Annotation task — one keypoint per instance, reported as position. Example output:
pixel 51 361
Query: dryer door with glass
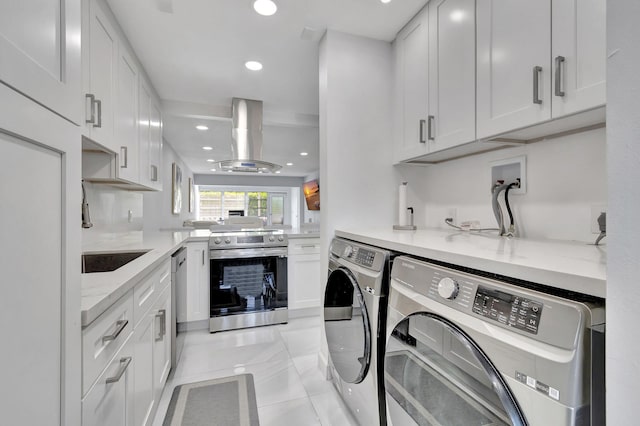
pixel 435 374
pixel 346 323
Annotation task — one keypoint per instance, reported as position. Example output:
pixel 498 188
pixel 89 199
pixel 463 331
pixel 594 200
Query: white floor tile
pixel 331 410
pixel 303 341
pixel 312 378
pixel 296 412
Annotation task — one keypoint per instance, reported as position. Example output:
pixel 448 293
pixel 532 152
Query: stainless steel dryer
pixel 467 350
pixel 354 318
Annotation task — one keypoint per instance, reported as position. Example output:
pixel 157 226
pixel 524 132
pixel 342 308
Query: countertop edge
pixel 573 282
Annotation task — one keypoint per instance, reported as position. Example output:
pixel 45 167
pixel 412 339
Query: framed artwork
pixel 176 189
pixel 192 196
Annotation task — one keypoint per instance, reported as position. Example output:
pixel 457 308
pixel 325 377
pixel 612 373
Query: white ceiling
pixel 195 54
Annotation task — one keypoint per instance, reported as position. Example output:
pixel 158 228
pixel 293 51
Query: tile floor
pixel 290 389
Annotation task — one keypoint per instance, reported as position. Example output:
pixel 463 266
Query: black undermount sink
pixel 107 262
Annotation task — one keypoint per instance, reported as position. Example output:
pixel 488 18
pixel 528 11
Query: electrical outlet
pixel 596 209
pixel 452 213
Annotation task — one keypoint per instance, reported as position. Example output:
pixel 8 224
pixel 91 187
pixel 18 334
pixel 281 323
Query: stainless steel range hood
pixel 246 148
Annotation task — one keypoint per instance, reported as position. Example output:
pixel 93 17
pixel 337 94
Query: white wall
pixel 157 205
pixel 623 227
pixel 565 177
pixel 356 175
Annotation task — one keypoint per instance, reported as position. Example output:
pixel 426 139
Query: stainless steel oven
pixel 248 279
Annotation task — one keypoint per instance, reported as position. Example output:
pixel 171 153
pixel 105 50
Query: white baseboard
pixel 305 312
pixel 193 325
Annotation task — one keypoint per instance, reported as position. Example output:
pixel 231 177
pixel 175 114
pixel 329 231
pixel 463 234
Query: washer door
pixel 435 374
pixel 347 326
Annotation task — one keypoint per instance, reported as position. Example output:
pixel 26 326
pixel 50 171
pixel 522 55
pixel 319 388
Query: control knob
pixel 271 238
pixel 217 241
pixel 348 251
pixel 280 238
pixel 448 288
pixel 227 240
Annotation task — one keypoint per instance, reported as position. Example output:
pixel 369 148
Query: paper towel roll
pixel 402 204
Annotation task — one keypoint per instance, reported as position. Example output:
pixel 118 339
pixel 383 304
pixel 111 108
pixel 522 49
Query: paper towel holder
pixel 410 227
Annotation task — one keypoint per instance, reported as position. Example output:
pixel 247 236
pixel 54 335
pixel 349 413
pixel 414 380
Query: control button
pixel 348 251
pixel 227 240
pixel 271 238
pixel 280 238
pixel 535 308
pixel 217 241
pixel 448 288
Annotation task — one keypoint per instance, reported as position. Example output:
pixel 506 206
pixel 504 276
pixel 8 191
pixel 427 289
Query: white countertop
pixel 573 266
pixel 100 290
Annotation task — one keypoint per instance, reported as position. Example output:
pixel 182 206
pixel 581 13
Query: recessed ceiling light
pixel 207 148
pixel 265 7
pixel 211 160
pixel 213 170
pixel 289 164
pixel 230 171
pixel 385 1
pixel 278 172
pixel 201 127
pixel 253 65
pixel 304 154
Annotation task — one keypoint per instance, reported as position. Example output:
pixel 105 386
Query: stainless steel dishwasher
pixel 178 280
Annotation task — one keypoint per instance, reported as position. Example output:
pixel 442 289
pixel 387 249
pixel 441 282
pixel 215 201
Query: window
pixel 215 204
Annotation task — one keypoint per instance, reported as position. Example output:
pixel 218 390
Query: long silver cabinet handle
pixel 308 246
pixel 92 101
pixel 559 75
pixel 154 173
pixel 422 124
pixel 124 153
pixel 536 85
pixel 203 257
pixel 120 325
pixel 431 129
pixel 162 315
pixel 124 364
pixel 99 104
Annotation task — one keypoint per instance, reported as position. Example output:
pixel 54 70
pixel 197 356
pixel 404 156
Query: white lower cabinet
pixel 138 371
pixel 303 273
pixel 110 400
pixel 193 299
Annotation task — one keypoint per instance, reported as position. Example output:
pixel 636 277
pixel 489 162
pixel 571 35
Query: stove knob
pixel 227 241
pixel 448 288
pixel 271 238
pixel 280 238
pixel 348 251
pixel 217 241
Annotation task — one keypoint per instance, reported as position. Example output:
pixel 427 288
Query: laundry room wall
pixel 566 179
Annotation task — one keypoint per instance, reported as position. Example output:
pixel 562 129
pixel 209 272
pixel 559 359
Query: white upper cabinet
pixel 513 65
pixel 126 115
pixel 40 53
pixel 452 76
pixel 412 74
pixel 579 55
pixel 150 139
pixel 101 64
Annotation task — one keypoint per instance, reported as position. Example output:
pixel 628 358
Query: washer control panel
pixel 508 309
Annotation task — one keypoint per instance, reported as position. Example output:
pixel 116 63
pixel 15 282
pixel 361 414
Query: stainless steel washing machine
pixel 355 318
pixel 463 349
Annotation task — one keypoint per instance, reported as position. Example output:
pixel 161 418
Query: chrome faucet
pixel 86 217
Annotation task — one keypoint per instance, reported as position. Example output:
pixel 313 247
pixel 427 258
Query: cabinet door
pixel 579 55
pixel 412 46
pixel 144 402
pixel 150 139
pixel 40 51
pixel 304 281
pixel 126 114
pixel 110 401
pixel 31 306
pixel 155 145
pixel 197 281
pixel 452 73
pixel 161 342
pixel 513 60
pixel 103 69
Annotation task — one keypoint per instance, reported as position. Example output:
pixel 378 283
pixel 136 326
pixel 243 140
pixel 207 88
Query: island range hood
pixel 246 147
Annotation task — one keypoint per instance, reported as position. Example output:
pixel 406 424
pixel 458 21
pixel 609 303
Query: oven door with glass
pixel 248 281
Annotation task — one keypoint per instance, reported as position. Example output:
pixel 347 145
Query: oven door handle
pixel 247 253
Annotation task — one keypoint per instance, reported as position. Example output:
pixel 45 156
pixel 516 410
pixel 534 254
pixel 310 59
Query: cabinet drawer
pixel 108 402
pixel 104 337
pixel 304 246
pixel 146 292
